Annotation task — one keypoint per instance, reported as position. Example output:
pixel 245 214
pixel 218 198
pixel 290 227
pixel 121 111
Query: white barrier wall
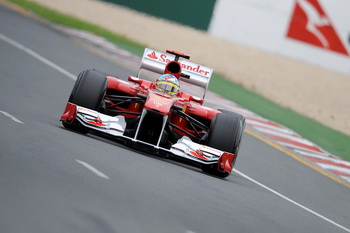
pixel 315 31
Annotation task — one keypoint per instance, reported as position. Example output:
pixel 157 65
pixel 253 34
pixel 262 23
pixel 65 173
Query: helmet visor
pixel 168 87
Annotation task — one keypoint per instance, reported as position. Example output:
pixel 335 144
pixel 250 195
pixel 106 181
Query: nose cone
pixel 159 103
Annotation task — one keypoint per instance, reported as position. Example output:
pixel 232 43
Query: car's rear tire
pixel 88 91
pixel 225 134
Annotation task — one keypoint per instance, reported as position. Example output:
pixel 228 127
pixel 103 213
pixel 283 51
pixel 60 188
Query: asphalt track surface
pixel 56 180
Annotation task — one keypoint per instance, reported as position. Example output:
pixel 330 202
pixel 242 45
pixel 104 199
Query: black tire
pixel 88 91
pixel 225 134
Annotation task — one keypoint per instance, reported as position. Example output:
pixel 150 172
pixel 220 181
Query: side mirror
pixel 196 99
pixel 134 80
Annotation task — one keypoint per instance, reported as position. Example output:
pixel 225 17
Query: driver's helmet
pixel 168 83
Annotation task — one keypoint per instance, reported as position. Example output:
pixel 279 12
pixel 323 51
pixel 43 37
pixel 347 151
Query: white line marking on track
pixel 94 170
pixel 37 56
pixel 11 117
pixel 291 201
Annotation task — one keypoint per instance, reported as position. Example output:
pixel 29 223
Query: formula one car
pixel 157 116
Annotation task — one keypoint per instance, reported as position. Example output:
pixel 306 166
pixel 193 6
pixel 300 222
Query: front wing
pixel 115 126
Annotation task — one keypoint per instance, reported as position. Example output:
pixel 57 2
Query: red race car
pixel 157 116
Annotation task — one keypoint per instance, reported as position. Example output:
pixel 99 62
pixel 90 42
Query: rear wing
pixel 193 73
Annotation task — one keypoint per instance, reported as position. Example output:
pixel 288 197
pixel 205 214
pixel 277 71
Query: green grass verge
pixel 335 142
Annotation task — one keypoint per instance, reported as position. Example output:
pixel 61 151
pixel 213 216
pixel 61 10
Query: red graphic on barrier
pixel 152 55
pixel 310 24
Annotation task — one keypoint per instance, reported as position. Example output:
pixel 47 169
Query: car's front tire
pixel 88 91
pixel 225 134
